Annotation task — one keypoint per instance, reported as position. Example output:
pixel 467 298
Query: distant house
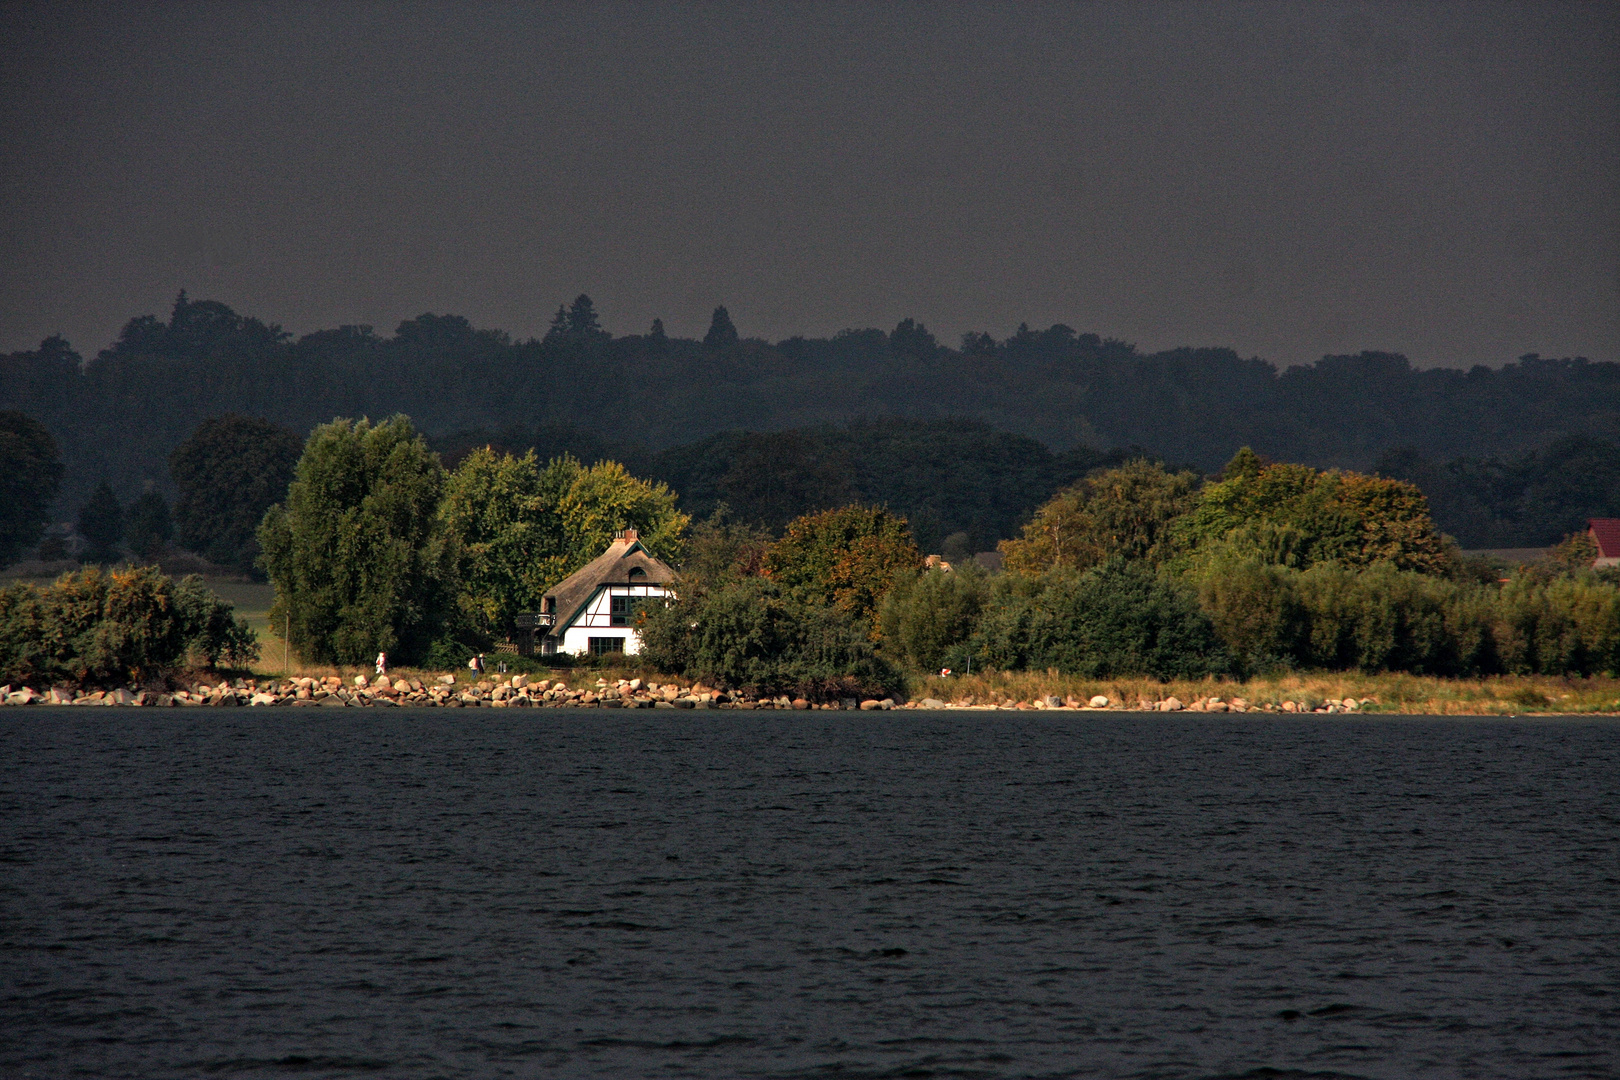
pixel 1606 532
pixel 591 610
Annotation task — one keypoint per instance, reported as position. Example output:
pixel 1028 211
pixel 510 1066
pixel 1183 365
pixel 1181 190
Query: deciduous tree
pixel 228 473
pixel 30 474
pixel 358 552
pixel 1124 512
pixel 846 558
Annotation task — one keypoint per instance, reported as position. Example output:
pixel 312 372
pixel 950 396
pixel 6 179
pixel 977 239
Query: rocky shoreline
pixel 520 691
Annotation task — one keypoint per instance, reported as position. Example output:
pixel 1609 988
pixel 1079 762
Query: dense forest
pixel 967 439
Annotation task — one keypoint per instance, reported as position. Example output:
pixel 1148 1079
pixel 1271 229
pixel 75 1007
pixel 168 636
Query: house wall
pixel 597 620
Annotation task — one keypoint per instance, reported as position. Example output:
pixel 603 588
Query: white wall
pixel 596 621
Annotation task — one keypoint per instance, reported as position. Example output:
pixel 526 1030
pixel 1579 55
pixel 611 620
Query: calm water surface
pixel 520 893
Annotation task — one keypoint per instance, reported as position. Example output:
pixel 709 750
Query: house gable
pixel 625 569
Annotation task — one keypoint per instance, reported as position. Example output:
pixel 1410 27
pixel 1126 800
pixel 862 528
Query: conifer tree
pixel 722 334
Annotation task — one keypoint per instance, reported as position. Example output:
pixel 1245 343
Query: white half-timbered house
pixel 591 611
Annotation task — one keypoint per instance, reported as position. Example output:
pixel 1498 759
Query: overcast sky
pixel 1437 179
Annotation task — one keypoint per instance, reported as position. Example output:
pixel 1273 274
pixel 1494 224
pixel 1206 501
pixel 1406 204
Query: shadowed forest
pixel 965 439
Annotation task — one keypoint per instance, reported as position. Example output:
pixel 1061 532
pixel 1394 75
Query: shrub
pixel 1386 619
pixel 753 635
pixel 1117 619
pixel 126 623
pixel 924 619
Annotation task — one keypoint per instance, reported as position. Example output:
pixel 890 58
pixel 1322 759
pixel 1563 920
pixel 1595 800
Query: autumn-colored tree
pixel 1123 512
pixel 1294 515
pixel 847 558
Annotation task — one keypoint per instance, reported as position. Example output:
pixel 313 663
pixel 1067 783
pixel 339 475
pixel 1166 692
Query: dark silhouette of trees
pixel 101 523
pixel 118 417
pixel 149 526
pixel 228 473
pixel 722 334
pixel 30 474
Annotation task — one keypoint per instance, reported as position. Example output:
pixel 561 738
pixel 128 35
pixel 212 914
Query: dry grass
pixel 1507 695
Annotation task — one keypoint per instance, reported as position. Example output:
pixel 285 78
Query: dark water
pixel 245 893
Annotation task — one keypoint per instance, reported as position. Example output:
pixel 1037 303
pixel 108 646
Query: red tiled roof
pixel 1606 531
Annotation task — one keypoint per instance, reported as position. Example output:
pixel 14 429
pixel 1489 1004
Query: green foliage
pixel 1119 618
pixel 228 473
pixel 1254 612
pixel 213 632
pixel 521 529
pixel 504 529
pixel 358 552
pixel 1386 619
pixel 847 558
pixel 595 504
pixel 752 634
pixel 1577 551
pixel 101 523
pixel 925 619
pixel 723 548
pixel 946 477
pixel 30 475
pixel 1529 500
pixel 1124 512
pixel 121 624
pixel 148 525
pixel 1295 515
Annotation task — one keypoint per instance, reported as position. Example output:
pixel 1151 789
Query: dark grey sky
pixel 1439 179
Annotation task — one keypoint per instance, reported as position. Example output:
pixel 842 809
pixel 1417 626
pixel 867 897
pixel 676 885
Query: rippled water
pixel 639 894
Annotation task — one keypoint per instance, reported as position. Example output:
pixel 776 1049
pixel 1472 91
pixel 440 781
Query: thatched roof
pixel 612 567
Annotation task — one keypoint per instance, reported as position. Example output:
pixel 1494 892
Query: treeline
pixel 961 484
pixel 1139 570
pixel 1508 502
pixel 119 415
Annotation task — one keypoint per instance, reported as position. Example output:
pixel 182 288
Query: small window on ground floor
pixel 600 645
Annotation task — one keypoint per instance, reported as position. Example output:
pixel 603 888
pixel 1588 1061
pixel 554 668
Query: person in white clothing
pixel 382 663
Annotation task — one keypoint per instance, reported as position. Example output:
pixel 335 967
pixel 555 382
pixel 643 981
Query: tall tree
pixel 30 474
pixel 1125 512
pixel 848 558
pixel 521 528
pixel 149 528
pixel 358 552
pixel 722 334
pixel 229 472
pixel 101 523
pixel 1294 515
